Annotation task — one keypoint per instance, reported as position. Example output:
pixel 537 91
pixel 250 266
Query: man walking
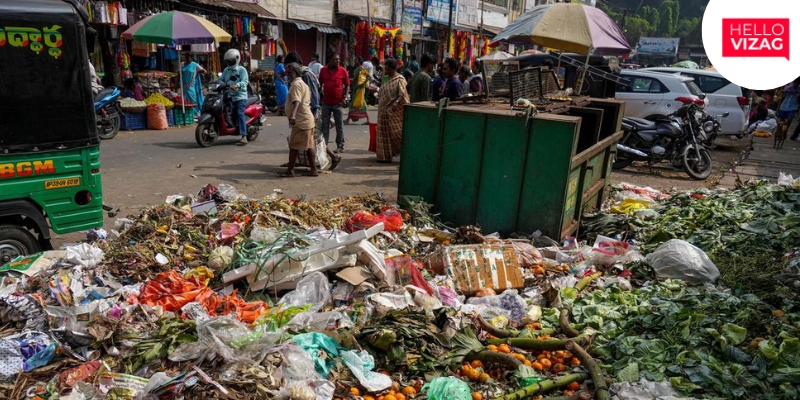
pixel 334 83
pixel 315 65
pixel 419 89
pixel 298 109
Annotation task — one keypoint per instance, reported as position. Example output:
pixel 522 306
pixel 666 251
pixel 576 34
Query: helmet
pixel 232 57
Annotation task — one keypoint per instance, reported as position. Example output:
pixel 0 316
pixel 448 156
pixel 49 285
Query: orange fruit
pixel 400 396
pixel 474 374
pixel 546 364
pixel 557 368
pixel 492 347
pixel 355 391
pixel 389 397
pixel 537 366
pixel 504 348
pixel 484 377
pixel 477 364
pixel 574 386
pixel 477 396
pixel 518 356
pixel 368 397
pixel 574 362
pixel 526 363
pixel 409 391
pixel 569 392
pixel 542 356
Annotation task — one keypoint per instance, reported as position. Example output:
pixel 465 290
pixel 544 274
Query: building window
pixel 501 3
pixel 517 5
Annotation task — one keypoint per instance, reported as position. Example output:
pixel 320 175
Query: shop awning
pixel 490 29
pixel 376 20
pixel 322 28
pixel 241 6
pixel 424 39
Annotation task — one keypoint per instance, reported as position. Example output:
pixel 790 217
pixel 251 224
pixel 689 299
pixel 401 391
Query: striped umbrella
pixel 569 27
pixel 176 28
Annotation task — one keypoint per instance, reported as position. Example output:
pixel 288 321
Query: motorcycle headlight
pixel 708 126
pixel 217 103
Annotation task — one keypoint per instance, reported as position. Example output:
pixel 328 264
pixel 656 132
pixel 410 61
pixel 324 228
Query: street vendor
pixel 192 74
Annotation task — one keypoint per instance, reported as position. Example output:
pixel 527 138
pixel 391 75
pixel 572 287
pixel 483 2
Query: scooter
pixel 107 110
pixel 217 117
pixel 268 96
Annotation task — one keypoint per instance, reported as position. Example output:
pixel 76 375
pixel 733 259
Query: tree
pixel 652 16
pixel 635 28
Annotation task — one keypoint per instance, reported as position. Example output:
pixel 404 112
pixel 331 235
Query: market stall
pixel 174 28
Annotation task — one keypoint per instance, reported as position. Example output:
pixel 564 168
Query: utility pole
pixel 369 16
pixel 622 25
pixel 450 27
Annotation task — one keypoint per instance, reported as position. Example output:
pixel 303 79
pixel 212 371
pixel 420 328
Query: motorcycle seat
pixel 103 93
pixel 640 123
pixel 252 100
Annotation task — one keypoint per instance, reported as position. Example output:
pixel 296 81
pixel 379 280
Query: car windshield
pixel 693 88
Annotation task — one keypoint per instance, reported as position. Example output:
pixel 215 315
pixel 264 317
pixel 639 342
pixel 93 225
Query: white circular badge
pixel 753 44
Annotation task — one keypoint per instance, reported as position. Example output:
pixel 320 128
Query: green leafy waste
pixel 707 343
pixel 744 231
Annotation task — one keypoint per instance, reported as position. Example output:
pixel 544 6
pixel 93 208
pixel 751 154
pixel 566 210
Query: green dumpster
pixel 510 171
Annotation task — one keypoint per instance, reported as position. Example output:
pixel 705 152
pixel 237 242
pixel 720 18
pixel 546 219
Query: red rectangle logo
pixel 755 37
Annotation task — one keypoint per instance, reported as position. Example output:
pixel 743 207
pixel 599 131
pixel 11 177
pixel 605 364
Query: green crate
pixel 182 118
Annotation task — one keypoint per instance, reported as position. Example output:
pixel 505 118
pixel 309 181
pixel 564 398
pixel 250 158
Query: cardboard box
pixel 258 51
pixel 475 267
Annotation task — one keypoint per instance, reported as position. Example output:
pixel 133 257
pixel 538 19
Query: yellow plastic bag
pixel 762 134
pixel 630 206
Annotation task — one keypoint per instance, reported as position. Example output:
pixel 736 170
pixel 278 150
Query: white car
pixel 653 93
pixel 723 96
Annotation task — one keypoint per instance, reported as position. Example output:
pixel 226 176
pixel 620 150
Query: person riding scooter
pixel 235 76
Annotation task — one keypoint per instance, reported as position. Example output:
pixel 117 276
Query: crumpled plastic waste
pixel 509 300
pixel 312 289
pixel 679 259
pixel 392 220
pixel 85 254
pixel 447 388
pixel 314 342
pixel 630 206
pixel 362 365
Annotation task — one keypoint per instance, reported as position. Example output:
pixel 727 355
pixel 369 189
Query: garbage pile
pixel 220 296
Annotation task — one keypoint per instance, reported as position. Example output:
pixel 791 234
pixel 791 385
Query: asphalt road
pixel 141 168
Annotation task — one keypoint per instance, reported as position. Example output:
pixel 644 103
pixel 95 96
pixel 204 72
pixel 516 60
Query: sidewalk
pixel 765 162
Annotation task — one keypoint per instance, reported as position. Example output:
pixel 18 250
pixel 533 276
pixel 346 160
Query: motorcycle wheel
pixel 202 134
pixel 107 128
pixel 696 168
pixel 252 133
pixel 621 160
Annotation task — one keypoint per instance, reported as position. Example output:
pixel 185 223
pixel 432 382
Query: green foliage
pixel 670 18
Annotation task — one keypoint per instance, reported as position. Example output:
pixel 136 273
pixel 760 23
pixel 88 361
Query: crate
pixel 170 117
pixel 182 118
pixel 133 121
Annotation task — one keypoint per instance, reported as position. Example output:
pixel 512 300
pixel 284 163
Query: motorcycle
pixel 106 107
pixel 673 139
pixel 269 98
pixel 217 117
pixel 711 127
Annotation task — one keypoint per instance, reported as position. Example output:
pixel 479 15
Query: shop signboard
pixel 467 15
pixel 439 11
pixel 276 7
pixel 658 46
pixel 494 19
pixel 319 11
pixel 412 19
pixel 381 9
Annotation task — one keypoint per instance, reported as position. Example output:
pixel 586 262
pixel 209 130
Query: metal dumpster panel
pixel 420 165
pixel 459 176
pixel 502 170
pixel 550 148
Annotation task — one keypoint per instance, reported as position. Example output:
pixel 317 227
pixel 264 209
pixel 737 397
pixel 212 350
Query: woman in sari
pixel 192 83
pixel 390 113
pixel 358 99
pixel 281 89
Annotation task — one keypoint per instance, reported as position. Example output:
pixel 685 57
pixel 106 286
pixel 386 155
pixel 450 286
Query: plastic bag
pixel 391 218
pixel 528 254
pixel 312 289
pixel 630 206
pixel 313 343
pixel 320 153
pixel 220 258
pixel 509 300
pixel 157 117
pixel 407 272
pixel 788 181
pixel 228 192
pixel 362 365
pixel 85 254
pixel 447 388
pixel 678 259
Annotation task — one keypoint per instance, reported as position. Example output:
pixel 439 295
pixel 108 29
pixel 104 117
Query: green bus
pixel 49 148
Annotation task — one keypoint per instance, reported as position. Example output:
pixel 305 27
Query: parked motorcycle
pixel 106 107
pixel 217 117
pixel 710 128
pixel 269 98
pixel 672 139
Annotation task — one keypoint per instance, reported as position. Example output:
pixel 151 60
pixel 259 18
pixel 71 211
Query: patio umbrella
pixel 176 28
pixel 686 64
pixel 570 27
pixel 497 55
